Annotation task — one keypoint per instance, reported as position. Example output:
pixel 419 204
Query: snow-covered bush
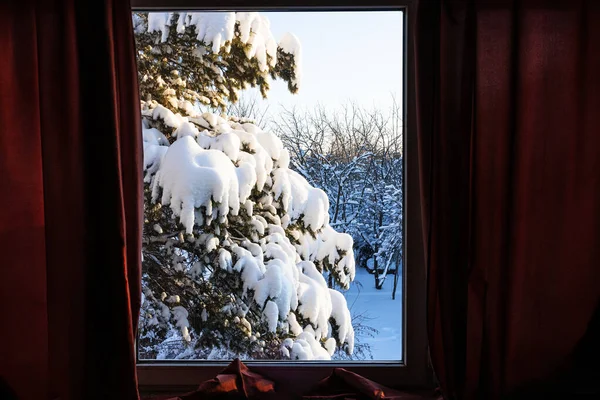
pixel 235 243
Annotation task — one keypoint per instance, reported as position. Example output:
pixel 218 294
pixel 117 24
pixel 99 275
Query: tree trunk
pixel 378 284
pixel 376 271
pixel 337 203
pixel 395 277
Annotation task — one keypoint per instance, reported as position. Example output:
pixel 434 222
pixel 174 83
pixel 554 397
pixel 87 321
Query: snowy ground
pixel 381 312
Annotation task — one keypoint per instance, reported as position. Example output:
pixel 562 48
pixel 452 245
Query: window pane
pixel 273 185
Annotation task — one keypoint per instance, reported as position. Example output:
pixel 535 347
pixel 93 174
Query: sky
pixel 346 56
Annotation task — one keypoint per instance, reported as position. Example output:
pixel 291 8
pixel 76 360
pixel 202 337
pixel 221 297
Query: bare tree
pixel 249 107
pixel 355 156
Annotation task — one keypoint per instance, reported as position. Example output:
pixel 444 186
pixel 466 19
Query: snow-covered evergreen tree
pixel 186 59
pixel 235 243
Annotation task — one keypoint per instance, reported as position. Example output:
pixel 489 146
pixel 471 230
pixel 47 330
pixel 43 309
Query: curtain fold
pixel 70 213
pixel 509 139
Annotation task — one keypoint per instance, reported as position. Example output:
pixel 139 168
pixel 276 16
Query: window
pixel 278 233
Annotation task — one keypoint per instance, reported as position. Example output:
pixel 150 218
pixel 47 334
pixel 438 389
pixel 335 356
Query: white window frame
pixel 172 377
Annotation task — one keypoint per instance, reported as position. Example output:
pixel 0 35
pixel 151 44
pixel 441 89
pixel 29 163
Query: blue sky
pixel 345 56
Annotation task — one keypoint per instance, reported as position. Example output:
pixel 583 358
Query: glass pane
pixel 273 185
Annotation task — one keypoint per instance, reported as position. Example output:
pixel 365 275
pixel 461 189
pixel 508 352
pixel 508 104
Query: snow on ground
pixel 383 313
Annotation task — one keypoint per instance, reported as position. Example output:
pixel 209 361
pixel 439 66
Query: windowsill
pixel 292 379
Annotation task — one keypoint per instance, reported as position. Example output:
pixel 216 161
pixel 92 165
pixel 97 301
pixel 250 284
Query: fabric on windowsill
pixel 234 382
pixel 237 381
pixel 344 384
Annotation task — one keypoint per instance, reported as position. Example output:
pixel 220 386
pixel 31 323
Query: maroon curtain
pixel 509 143
pixel 70 208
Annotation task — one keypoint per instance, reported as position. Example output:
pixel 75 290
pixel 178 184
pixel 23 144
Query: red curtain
pixel 508 97
pixel 70 209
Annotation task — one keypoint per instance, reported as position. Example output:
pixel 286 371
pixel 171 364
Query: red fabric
pixel 238 382
pixel 234 382
pixel 509 144
pixel 343 384
pixel 70 210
